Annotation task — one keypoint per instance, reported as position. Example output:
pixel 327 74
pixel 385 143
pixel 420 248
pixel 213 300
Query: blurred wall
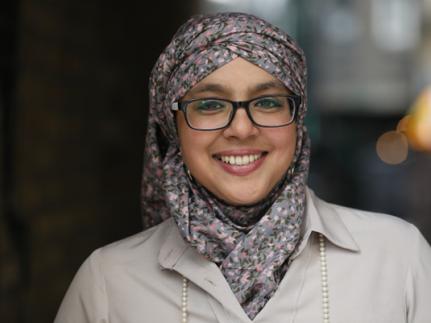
pixel 78 119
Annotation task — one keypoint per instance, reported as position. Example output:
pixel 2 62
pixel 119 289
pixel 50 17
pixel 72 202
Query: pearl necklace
pixel 323 280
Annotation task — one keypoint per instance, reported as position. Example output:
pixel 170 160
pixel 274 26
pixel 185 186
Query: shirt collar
pixel 323 217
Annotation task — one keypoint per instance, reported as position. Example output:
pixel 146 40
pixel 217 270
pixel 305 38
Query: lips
pixel 240 163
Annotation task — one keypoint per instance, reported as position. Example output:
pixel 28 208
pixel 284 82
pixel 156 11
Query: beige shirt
pixel 379 270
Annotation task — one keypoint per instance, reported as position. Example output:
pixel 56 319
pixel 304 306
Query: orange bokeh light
pixel 417 125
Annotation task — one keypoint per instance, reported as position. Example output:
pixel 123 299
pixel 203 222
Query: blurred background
pixel 73 102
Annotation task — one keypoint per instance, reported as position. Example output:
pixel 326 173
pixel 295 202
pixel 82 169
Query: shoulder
pixel 368 222
pixel 392 260
pixel 378 232
pixel 140 250
pixel 114 273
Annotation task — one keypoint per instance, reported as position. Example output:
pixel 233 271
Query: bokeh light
pixel 392 147
pixel 418 124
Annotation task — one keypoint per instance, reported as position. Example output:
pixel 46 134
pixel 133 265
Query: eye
pixel 268 102
pixel 208 106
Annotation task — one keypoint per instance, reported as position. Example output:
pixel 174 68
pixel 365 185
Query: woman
pixel 236 236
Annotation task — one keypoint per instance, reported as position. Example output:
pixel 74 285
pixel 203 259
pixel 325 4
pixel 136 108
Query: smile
pixel 240 164
pixel 240 160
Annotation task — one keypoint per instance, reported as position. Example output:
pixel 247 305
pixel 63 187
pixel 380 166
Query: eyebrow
pixel 209 87
pixel 219 88
pixel 269 85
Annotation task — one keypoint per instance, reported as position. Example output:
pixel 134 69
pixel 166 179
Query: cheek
pixel 192 147
pixel 194 144
pixel 284 141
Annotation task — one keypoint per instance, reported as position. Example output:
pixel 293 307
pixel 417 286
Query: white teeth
pixel 240 160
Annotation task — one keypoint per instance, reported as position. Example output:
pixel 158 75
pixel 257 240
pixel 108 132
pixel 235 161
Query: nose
pixel 241 126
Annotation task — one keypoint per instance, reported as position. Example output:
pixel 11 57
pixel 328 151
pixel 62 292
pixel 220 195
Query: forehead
pixel 238 75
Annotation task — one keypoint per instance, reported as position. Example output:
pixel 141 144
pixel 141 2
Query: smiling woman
pixel 233 233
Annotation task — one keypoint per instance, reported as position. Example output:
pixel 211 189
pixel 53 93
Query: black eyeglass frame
pixel 182 106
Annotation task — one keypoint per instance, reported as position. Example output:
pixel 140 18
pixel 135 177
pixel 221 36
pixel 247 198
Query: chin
pixel 243 200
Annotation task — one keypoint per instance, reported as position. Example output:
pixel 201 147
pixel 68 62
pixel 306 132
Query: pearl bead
pixel 184 301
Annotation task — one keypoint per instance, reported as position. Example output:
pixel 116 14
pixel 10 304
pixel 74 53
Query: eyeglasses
pixel 269 111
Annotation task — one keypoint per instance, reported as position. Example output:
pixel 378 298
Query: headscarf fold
pixel 253 244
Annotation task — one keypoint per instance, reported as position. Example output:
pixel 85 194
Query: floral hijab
pixel 252 245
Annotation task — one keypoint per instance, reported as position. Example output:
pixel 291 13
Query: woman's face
pixel 203 151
